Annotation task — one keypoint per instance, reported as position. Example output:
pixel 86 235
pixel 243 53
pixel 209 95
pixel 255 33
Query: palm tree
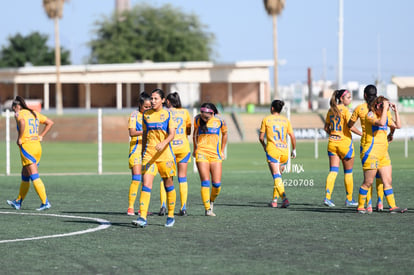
pixel 54 10
pixel 274 8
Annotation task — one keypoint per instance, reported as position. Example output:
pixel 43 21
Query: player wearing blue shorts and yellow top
pixel 375 152
pixel 275 128
pixel 180 145
pixel 209 139
pixel 157 156
pixel 135 148
pixel 360 112
pixel 340 146
pixel 28 140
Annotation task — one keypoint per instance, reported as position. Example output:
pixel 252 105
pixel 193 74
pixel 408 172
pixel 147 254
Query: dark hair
pixel 203 124
pixel 277 105
pixel 143 96
pixel 20 101
pixel 370 93
pixel 159 92
pixel 336 99
pixel 174 99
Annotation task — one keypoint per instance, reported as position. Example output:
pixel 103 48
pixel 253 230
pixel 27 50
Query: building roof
pixel 403 81
pixel 143 72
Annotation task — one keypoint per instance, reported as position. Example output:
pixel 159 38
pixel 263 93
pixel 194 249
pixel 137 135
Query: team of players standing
pixel 159 132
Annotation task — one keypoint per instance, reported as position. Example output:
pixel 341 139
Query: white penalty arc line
pixel 103 225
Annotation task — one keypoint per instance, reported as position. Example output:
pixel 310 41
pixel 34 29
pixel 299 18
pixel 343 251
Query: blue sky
pixel 378 38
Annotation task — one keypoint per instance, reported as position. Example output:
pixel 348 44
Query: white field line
pixel 103 225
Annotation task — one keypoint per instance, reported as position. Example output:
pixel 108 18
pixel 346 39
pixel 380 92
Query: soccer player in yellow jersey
pixel 28 140
pixel 340 146
pixel 157 156
pixel 360 112
pixel 276 128
pixel 375 152
pixel 135 148
pixel 181 145
pixel 209 139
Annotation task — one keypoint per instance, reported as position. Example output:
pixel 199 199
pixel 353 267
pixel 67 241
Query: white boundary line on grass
pixel 103 225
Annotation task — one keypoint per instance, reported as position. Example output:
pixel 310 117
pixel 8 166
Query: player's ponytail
pixel 370 93
pixel 336 99
pixel 174 99
pixel 20 101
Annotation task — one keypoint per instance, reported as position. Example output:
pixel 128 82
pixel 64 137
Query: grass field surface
pixel 246 237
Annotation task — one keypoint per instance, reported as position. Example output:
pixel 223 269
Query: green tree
pixel 149 33
pixel 31 48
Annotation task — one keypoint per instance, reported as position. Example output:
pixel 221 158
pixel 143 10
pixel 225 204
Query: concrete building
pixel 119 85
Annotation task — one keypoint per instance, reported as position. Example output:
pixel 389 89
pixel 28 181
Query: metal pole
pixel 340 42
pixel 59 104
pixel 406 145
pixel 99 141
pixel 194 161
pixel 289 164
pixel 7 142
pixel 275 80
pixel 316 144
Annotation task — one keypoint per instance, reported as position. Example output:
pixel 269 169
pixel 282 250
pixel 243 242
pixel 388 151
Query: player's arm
pixel 133 132
pixel 397 120
pixel 194 141
pixel 22 125
pixel 144 140
pixel 355 130
pixel 48 124
pixel 262 140
pixel 327 128
pixel 224 137
pixel 293 140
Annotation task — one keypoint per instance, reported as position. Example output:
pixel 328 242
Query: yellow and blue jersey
pixel 135 143
pixel 156 125
pixel 209 142
pixel 276 128
pixel 360 112
pixel 340 137
pixel 31 129
pixel 339 124
pixel 376 135
pixel 375 149
pixel 180 143
pixel 30 150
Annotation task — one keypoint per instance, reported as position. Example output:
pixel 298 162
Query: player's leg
pixel 133 188
pixel 183 185
pixel 348 164
pixel 330 179
pixel 369 175
pixel 216 172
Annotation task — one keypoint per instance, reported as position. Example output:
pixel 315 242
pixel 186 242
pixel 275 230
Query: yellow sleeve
pixel 263 126
pixel 355 114
pixel 290 129
pixel 188 120
pixel 224 126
